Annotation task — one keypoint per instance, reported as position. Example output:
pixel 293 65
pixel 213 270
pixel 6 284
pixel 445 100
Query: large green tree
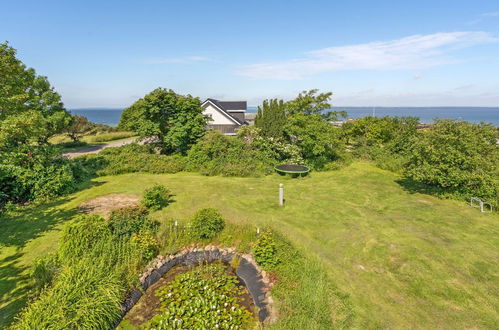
pixel 78 127
pixel 30 109
pixel 309 103
pixel 301 123
pixel 459 157
pixel 176 120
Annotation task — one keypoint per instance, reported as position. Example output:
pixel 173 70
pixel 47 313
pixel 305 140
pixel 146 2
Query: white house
pixel 225 116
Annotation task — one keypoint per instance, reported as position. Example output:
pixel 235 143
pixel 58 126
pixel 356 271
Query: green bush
pixel 265 250
pixel 132 158
pixel 81 235
pixel 156 197
pixel 458 157
pixel 146 243
pixel 217 154
pixel 30 173
pixel 130 220
pixel 44 270
pixel 207 223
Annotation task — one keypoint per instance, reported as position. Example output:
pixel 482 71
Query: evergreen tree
pixel 271 118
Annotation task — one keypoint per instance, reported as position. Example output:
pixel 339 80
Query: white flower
pixel 225 304
pixel 169 295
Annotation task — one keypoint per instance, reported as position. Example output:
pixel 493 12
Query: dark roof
pixel 228 106
pixel 233 105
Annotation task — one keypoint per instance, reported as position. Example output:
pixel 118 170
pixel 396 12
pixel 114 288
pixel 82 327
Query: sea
pixel 111 116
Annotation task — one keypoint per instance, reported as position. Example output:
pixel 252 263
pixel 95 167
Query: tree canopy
pixel 78 127
pixel 30 109
pixel 309 103
pixel 176 120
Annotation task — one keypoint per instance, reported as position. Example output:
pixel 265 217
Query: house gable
pixel 218 115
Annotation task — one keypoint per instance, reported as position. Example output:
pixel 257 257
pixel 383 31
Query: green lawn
pixel 406 260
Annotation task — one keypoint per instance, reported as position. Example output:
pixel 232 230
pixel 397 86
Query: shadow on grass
pixel 31 222
pixel 12 292
pixel 414 187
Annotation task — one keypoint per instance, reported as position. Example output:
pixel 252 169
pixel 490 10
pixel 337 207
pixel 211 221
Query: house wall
pixel 224 129
pixel 217 117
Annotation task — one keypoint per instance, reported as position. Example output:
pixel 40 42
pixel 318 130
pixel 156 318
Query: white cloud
pixel 491 14
pixel 413 52
pixel 181 60
pixel 483 17
pixel 418 76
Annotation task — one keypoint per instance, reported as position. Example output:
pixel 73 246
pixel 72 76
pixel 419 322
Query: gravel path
pixel 96 149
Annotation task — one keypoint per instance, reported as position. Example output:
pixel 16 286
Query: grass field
pixel 91 140
pixel 405 260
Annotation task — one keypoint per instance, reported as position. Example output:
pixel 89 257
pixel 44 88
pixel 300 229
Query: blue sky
pixel 368 53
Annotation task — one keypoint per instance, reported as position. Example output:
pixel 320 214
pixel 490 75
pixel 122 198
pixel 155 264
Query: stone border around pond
pixel 255 279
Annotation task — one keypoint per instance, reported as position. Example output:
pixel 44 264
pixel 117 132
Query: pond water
pixel 148 305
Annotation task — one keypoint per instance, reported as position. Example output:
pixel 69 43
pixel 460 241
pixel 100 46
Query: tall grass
pixel 85 296
pixel 111 136
pixel 98 267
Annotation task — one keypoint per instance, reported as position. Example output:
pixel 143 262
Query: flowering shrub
pixel 203 298
pixel 146 243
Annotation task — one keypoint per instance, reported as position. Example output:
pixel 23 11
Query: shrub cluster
pixel 130 159
pixel 451 158
pixel 217 154
pixel 29 173
pixel 156 197
pixel 131 220
pixel 207 223
pixel 459 157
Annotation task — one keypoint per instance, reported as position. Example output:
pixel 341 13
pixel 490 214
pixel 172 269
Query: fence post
pixel 281 194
